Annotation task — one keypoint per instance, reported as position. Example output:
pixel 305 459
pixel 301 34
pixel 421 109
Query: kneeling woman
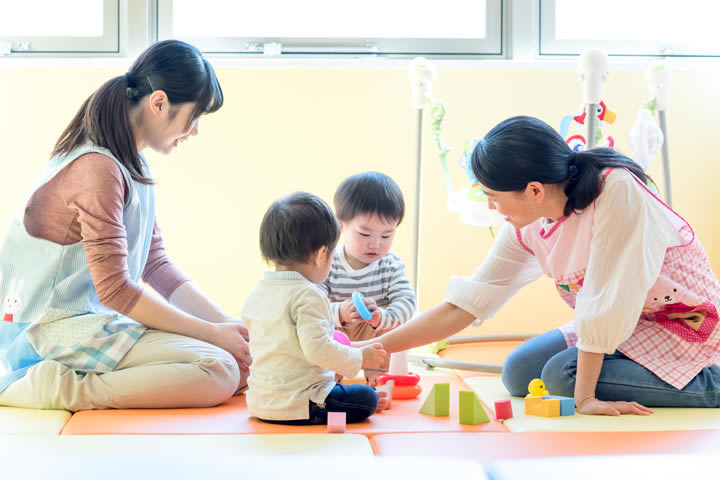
pixel 645 330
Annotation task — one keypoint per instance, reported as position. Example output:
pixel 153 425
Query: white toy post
pixel 592 71
pixel 421 73
pixel 658 76
pixel 398 363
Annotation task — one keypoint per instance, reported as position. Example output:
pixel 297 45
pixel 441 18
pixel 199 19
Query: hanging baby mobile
pixel 469 202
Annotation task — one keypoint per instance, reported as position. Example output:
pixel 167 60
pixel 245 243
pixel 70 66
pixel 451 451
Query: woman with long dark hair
pixel 645 329
pixel 78 330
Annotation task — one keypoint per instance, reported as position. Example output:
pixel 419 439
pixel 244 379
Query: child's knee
pixel 366 402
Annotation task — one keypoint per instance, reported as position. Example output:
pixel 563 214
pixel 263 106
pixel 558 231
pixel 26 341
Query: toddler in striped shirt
pixel 370 207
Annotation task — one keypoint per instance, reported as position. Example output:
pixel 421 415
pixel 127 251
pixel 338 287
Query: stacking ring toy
pixel 357 299
pixel 406 386
pixel 400 380
pixel 406 392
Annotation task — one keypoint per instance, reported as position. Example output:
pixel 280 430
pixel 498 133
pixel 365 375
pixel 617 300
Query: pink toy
pixel 336 422
pixel 340 337
pixel 503 409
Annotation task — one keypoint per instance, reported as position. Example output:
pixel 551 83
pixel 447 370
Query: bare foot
pixel 371 378
pixel 385 393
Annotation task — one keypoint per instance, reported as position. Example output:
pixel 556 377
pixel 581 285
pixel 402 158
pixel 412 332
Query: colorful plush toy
pixel 577 141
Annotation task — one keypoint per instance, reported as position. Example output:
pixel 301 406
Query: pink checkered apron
pixel 677 334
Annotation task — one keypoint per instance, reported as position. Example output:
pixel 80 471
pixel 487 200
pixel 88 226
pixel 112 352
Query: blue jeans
pixel 357 401
pixel 548 357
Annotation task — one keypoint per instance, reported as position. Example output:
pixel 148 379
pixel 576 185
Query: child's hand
pixel 349 314
pixel 346 310
pixel 371 377
pixel 373 355
pixel 338 378
pixel 371 304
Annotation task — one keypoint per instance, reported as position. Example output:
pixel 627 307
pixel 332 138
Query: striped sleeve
pixel 401 298
pixel 334 305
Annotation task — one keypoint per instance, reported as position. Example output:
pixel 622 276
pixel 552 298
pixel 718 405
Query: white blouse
pixel 630 235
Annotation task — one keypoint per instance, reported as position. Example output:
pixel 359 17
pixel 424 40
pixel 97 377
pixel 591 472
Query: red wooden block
pixel 503 409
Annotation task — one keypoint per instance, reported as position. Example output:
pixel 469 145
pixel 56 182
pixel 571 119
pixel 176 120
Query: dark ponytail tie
pixel 132 92
pixel 572 167
pixel 130 79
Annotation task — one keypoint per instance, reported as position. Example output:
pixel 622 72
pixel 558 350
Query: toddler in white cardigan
pixel 295 358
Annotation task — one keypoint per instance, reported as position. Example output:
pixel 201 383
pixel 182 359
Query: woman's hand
pixel 593 406
pixel 232 337
pixel 589 365
pixel 242 326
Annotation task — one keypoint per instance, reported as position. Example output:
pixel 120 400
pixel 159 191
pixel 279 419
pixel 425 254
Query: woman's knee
pixel 526 361
pixel 223 377
pixel 515 376
pixel 559 373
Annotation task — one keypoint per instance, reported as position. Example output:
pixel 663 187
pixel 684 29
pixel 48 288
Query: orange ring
pixel 406 392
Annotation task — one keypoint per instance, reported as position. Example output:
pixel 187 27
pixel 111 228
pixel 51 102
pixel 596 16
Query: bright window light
pixel 692 21
pixel 51 18
pixel 330 18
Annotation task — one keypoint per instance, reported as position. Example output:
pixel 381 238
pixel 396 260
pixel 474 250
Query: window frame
pixel 109 43
pixel 493 46
pixel 550 46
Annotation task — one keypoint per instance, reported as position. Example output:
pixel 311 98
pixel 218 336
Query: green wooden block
pixel 437 403
pixel 471 410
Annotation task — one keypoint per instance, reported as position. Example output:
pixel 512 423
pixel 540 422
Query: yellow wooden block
pixel 541 407
pixel 532 404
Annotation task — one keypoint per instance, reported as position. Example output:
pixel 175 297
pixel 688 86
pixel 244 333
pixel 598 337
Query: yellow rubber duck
pixel 536 387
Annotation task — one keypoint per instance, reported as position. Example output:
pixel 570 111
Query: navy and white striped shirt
pixel 383 280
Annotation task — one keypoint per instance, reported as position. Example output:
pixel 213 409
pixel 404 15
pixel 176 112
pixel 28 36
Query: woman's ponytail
pixel 584 187
pixel 175 67
pixel 523 149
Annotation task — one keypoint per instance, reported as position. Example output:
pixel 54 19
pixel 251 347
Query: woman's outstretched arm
pixel 435 324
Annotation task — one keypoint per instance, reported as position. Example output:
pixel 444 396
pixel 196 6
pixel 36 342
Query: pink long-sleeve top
pixel 84 203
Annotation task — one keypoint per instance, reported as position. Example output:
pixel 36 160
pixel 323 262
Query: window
pixel 51 26
pixel 630 27
pixel 380 27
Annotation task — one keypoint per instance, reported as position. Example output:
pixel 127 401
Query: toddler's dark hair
pixel 295 227
pixel 369 193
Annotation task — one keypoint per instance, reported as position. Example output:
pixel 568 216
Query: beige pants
pixel 363 331
pixel 162 370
